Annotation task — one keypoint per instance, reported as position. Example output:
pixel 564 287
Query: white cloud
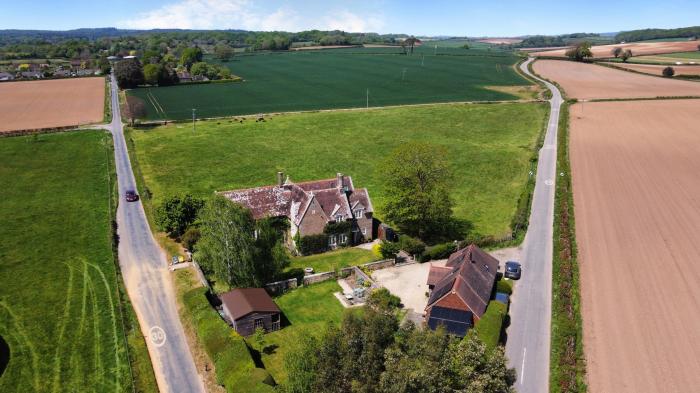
pixel 350 22
pixel 243 14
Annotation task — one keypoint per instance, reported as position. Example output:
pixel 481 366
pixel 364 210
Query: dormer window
pixel 359 213
pixel 338 217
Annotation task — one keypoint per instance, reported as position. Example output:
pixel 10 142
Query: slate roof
pixel 291 200
pixel 437 273
pixel 243 301
pixel 472 278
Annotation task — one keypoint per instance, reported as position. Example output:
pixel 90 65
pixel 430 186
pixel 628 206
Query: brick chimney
pixel 339 180
pixel 280 179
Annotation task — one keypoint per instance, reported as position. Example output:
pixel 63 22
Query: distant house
pixel 85 72
pixel 310 206
pixel 460 291
pixel 61 73
pixel 184 77
pixel 250 308
pixel 6 76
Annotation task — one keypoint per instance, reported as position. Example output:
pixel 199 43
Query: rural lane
pixel 528 343
pixel 147 278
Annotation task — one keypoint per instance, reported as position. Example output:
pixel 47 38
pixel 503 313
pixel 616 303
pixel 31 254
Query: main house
pixel 310 206
pixel 461 290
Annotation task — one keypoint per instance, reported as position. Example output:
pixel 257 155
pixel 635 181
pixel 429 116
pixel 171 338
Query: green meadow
pixel 59 301
pixel 340 78
pixel 489 147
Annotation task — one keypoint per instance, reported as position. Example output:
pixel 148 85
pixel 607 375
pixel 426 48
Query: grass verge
pixel 567 363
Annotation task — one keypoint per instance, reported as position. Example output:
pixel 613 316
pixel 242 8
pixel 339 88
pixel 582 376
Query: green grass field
pixel 309 310
pixel 330 261
pixel 339 78
pixel 489 146
pixel 59 305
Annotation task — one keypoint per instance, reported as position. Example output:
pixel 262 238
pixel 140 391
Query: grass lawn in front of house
pixel 332 260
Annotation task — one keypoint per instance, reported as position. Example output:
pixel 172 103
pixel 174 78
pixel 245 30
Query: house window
pixel 343 238
pixel 359 213
pixel 332 240
pixel 339 217
pixel 259 323
pixel 364 231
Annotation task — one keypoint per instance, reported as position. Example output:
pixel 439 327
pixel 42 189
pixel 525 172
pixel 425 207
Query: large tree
pixel 176 213
pixel 128 73
pixel 227 244
pixel 223 52
pixel 190 56
pixel 418 182
pixel 151 73
pixel 580 51
pixel 271 256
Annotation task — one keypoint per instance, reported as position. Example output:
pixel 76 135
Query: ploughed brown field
pixel 654 69
pixel 637 48
pixel 51 103
pixel 590 81
pixel 504 41
pixel 635 169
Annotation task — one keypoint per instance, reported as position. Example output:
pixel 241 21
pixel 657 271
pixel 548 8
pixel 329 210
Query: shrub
pixel 383 299
pixel 505 286
pixel 478 239
pixel 376 250
pixel 489 326
pixel 388 249
pixel 411 245
pixel 439 251
pixel 190 238
pixel 668 72
pixel 313 244
pixel 176 213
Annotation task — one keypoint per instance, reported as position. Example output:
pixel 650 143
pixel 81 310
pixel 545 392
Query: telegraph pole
pixel 193 110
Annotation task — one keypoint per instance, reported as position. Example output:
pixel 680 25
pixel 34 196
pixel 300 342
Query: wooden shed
pixel 250 308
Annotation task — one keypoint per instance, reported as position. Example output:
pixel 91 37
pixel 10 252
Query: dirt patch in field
pixel 530 92
pixel 637 48
pixel 51 103
pixel 635 167
pixel 654 69
pixel 590 81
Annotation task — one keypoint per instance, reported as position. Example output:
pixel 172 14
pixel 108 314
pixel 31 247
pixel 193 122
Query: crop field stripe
pixel 62 329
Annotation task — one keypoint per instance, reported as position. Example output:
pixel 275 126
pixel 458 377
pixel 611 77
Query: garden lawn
pixel 332 260
pixel 339 78
pixel 59 305
pixel 309 310
pixel 489 147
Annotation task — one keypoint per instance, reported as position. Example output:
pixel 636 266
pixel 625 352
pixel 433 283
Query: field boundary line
pixel 371 108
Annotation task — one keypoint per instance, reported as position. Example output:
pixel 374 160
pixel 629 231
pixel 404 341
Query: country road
pixel 148 282
pixel 528 343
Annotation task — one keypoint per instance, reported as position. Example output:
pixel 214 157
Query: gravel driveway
pixel 408 283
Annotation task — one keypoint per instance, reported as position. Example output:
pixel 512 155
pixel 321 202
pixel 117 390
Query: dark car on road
pixel 513 270
pixel 131 196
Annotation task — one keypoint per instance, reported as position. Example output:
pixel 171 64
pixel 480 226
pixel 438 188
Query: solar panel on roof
pixel 451 314
pixel 456 328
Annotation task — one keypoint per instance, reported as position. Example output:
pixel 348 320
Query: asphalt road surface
pixel 144 268
pixel 528 343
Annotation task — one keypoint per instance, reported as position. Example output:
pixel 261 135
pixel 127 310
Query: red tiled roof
pixel 243 301
pixel 472 276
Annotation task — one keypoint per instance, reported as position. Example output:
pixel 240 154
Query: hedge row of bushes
pixel 235 368
pixel 489 326
pixel 313 244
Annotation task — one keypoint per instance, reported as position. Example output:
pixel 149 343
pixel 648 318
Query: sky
pixel 498 18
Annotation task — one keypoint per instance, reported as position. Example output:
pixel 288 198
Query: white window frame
pixel 342 238
pixel 332 240
pixel 364 230
pixel 338 217
pixel 359 213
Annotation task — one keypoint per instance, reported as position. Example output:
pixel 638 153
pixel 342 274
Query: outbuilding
pixel 250 308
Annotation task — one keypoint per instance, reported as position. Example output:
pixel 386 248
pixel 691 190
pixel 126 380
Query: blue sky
pixel 436 17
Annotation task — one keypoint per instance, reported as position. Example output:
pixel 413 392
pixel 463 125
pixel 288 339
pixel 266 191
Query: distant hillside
pixel 542 41
pixel 653 34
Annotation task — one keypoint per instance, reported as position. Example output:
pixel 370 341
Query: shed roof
pixel 243 301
